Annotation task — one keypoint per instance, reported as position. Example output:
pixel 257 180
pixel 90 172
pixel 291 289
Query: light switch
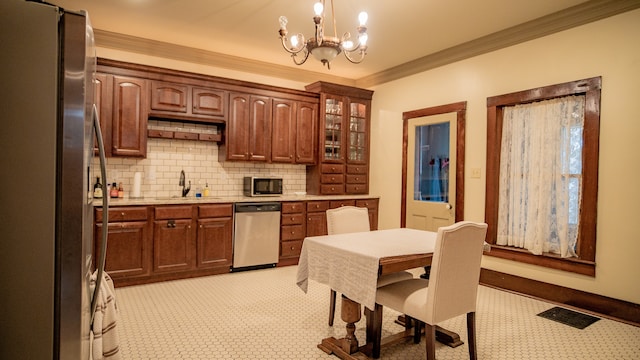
pixel 475 173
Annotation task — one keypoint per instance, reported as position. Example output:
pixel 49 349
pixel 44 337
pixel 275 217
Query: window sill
pixel 546 260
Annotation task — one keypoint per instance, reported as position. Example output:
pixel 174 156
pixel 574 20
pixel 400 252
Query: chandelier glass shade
pixel 325 48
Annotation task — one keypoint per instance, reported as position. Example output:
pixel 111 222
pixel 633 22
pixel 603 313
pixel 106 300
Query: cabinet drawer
pixel 332 189
pixel 371 204
pixel 292 207
pixel 173 212
pixel 340 203
pixel 290 248
pixel 356 179
pixel 123 214
pixel 185 135
pixel 217 210
pixel 332 169
pixel 332 178
pixel 160 134
pixel 293 232
pixel 315 206
pixel 356 169
pixel 292 219
pixel 357 189
pixel 209 137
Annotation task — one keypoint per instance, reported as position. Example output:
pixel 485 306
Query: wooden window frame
pixel 586 246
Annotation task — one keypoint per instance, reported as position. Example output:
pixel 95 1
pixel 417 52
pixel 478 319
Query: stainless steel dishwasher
pixel 256 239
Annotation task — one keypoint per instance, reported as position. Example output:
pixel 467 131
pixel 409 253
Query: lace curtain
pixel 540 183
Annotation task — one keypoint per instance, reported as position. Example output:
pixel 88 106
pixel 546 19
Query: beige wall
pixel 607 48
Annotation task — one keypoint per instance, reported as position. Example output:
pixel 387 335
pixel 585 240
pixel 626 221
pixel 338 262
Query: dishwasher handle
pixel 257 207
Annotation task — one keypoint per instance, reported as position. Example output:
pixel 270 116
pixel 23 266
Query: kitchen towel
pixel 106 342
pixel 137 183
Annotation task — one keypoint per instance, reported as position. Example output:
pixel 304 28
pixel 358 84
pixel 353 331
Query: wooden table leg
pixel 350 313
pixel 347 347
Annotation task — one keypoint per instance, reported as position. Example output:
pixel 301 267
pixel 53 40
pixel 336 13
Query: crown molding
pixel 166 50
pixel 571 17
pixel 566 19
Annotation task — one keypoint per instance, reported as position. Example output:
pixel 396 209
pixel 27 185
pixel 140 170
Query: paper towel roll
pixel 137 182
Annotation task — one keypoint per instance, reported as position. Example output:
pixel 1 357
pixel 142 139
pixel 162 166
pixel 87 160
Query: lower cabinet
pixel 292 232
pixel 174 247
pixel 128 250
pixel 214 234
pixel 156 243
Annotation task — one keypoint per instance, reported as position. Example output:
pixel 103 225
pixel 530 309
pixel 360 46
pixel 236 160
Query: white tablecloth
pixel 348 263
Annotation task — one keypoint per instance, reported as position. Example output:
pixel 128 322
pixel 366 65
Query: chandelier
pixel 325 48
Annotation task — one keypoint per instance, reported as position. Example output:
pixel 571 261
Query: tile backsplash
pixel 199 160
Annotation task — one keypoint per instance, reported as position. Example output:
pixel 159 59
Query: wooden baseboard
pixel 598 305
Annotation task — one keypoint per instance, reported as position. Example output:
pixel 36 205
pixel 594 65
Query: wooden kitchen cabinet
pixel 292 231
pixel 294 135
pixel 215 236
pixel 129 116
pixel 128 247
pixel 103 95
pixel 344 131
pixel 248 129
pixel 174 242
pixel 317 217
pixel 188 102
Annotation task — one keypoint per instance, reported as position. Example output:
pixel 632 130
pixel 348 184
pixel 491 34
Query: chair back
pixel 455 271
pixel 347 219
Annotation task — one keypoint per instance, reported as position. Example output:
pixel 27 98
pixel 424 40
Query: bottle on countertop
pixel 113 193
pixel 120 191
pixel 97 188
pixel 206 190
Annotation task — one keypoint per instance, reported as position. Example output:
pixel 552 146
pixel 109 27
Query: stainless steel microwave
pixel 262 186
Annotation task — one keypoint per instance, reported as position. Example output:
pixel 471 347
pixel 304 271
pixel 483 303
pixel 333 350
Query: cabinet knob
pixel 293 218
pixel 122 213
pixel 293 233
pixel 293 248
pixel 332 189
pixel 189 227
pixel 200 226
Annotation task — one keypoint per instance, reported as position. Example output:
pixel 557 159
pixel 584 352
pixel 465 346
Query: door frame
pixel 460 108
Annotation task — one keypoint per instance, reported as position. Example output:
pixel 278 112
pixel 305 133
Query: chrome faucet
pixel 185 190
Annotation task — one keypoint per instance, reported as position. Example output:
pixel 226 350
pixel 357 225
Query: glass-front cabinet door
pixel 333 127
pixel 357 151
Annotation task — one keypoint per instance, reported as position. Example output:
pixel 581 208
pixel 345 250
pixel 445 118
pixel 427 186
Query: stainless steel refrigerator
pixel 46 211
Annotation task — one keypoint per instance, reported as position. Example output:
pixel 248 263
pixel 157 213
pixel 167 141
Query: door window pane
pixel 431 181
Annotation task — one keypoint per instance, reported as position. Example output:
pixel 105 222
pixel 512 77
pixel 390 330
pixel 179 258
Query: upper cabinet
pixel 248 129
pixel 258 122
pixel 188 102
pixel 345 118
pixel 122 104
pixel 294 134
pixel 129 116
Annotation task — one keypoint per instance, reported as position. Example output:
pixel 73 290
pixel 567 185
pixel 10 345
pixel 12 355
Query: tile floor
pixel 262 314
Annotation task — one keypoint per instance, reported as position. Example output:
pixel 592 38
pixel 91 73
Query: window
pixel 542 163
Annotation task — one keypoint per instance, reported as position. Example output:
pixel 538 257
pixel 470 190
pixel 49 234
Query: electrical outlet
pixel 475 173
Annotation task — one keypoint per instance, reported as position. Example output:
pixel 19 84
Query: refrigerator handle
pixel 105 214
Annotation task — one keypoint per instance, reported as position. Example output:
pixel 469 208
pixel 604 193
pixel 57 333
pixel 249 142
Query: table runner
pixel 348 263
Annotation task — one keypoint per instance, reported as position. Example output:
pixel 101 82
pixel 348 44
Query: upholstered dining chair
pixel 450 291
pixel 350 219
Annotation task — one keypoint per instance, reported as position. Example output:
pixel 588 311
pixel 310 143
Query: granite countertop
pixel 231 199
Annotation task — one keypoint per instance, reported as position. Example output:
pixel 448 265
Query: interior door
pixel 431 148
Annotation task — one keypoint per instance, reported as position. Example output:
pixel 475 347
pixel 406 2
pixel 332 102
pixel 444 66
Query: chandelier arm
pixel 294 50
pixel 361 52
pixel 306 56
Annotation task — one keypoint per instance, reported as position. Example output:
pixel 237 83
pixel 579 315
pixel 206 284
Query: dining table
pixel 350 264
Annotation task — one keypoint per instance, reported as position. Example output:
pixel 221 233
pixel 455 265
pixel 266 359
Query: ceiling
pixel 404 35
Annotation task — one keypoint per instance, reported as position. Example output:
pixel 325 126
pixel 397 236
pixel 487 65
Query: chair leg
pixel 471 335
pixel 332 306
pixel 430 339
